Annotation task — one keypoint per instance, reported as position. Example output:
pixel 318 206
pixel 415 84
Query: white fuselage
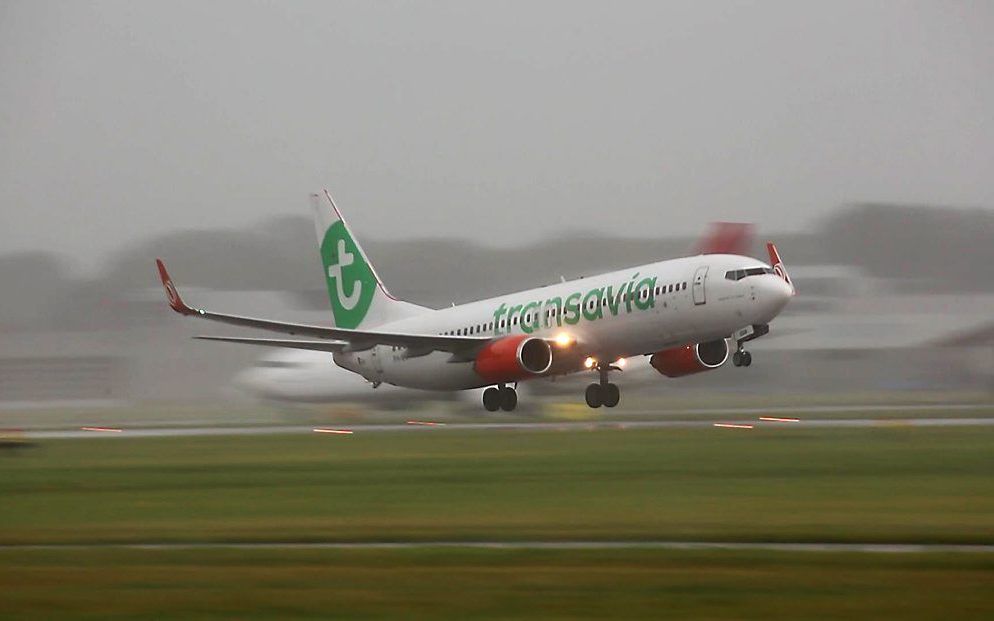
pixel 629 312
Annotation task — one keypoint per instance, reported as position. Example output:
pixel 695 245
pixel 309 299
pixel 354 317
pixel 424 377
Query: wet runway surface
pixel 423 426
pixel 892 548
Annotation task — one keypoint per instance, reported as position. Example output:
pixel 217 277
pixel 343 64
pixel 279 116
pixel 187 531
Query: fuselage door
pixel 700 277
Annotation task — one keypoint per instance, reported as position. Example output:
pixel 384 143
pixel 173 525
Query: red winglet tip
pixel 777 264
pixel 172 295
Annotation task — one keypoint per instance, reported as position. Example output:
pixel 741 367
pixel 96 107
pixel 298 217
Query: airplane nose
pixel 774 293
pixel 778 292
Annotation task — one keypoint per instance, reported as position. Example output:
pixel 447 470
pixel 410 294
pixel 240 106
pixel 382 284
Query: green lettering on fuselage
pixel 529 319
pixel 635 294
pixel 497 315
pixel 648 285
pixel 572 309
pixel 555 305
pixel 592 305
pixel 613 300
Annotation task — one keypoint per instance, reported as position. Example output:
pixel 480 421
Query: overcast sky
pixel 496 121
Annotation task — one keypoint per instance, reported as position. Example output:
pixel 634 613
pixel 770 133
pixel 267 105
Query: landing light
pixel 620 363
pixel 564 340
pixel 589 363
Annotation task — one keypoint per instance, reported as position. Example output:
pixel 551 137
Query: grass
pixel 891 484
pixel 491 584
pixel 768 484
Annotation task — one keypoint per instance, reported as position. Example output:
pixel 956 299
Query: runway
pixel 422 426
pixel 885 548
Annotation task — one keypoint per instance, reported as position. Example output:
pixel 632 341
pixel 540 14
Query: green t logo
pixel 351 283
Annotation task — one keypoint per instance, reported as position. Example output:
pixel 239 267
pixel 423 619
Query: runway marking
pixel 338 431
pixel 106 429
pixel 775 419
pixel 425 423
pixel 733 425
pixel 888 548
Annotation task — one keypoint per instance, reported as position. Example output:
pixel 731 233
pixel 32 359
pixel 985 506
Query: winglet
pixel 777 264
pixel 175 302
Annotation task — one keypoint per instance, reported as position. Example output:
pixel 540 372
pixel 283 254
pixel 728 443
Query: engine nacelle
pixel 513 358
pixel 689 359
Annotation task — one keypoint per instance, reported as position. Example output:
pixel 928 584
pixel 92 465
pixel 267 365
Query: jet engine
pixel 513 358
pixel 680 361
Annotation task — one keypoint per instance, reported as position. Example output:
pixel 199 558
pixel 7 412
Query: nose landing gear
pixel 500 398
pixel 741 358
pixel 603 393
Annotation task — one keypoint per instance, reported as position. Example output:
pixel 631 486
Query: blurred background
pixel 479 149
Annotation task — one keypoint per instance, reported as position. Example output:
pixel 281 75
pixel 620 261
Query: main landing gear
pixel 500 398
pixel 603 393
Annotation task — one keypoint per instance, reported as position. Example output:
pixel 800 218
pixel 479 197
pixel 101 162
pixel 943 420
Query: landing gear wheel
pixel 610 395
pixel 593 396
pixel 746 358
pixel 737 359
pixel 492 399
pixel 508 399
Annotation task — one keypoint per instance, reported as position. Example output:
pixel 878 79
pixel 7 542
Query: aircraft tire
pixel 508 399
pixel 746 359
pixel 593 396
pixel 737 359
pixel 492 399
pixel 611 395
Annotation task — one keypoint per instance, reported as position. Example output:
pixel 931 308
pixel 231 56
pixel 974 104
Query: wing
pixel 329 346
pixel 347 340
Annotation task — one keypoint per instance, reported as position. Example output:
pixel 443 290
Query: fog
pixel 478 149
pixel 494 123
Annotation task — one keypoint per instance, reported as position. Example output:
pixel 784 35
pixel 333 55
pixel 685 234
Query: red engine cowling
pixel 688 359
pixel 513 358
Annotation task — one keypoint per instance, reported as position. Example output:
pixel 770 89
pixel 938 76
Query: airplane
pixel 298 376
pixel 682 313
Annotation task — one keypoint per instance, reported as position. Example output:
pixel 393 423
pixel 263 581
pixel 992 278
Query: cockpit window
pixel 752 271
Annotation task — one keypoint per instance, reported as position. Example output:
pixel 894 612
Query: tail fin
pixel 726 238
pixel 357 295
pixel 777 264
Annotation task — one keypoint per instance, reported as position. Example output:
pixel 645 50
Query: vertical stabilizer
pixel 357 295
pixel 726 238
